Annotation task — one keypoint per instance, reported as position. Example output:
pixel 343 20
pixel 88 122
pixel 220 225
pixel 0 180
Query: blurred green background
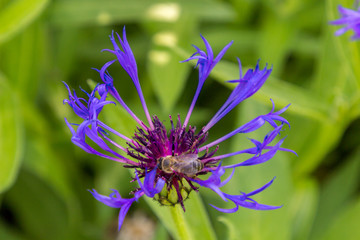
pixel 44 177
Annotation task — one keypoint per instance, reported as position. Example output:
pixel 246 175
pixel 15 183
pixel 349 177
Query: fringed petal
pixel 350 19
pixel 243 200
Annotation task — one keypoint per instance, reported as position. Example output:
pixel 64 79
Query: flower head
pixel 171 160
pixel 350 19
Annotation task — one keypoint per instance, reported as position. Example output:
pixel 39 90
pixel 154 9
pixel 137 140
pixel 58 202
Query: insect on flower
pixel 170 160
pixel 187 164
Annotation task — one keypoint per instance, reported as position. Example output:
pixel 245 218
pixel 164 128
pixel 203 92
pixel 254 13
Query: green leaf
pixel 166 73
pixel 279 34
pixel 231 228
pixel 24 60
pixel 11 130
pixel 303 208
pixel 325 135
pixel 17 15
pixel 245 40
pixel 111 11
pixel 10 234
pixel 39 210
pixel 346 225
pixel 43 161
pixel 160 233
pixel 336 193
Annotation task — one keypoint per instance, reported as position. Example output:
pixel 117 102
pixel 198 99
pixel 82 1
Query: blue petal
pixel 350 19
pixel 148 186
pixel 114 200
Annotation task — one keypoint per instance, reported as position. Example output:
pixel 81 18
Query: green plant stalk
pixel 180 223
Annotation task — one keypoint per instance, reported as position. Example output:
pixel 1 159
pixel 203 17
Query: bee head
pixel 159 163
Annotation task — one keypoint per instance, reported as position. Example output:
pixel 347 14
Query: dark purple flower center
pixel 173 152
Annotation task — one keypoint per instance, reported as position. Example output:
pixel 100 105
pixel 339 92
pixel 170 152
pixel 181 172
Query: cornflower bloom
pixel 350 19
pixel 170 161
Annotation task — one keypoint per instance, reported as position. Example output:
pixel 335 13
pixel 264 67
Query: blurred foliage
pixel 44 178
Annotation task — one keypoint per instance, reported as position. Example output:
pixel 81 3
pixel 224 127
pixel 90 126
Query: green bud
pixel 170 197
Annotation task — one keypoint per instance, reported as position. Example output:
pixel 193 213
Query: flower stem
pixel 180 223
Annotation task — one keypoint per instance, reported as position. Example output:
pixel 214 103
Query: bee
pixel 187 164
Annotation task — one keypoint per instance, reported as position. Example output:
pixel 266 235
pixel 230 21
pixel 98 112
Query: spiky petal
pixel 245 201
pixel 351 21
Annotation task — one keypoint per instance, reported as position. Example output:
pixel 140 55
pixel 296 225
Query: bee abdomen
pixel 192 168
pixel 198 165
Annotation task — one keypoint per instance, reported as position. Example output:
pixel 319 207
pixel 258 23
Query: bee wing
pixel 187 157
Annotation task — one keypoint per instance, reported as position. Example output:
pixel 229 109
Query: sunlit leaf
pixel 11 132
pixel 303 207
pixel 161 233
pixel 324 137
pixel 17 15
pixel 346 224
pixel 23 60
pixel 168 76
pixel 344 183
pixel 279 34
pixel 111 11
pixel 231 228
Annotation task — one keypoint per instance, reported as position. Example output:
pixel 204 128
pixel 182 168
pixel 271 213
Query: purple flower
pixel 350 19
pixel 171 160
